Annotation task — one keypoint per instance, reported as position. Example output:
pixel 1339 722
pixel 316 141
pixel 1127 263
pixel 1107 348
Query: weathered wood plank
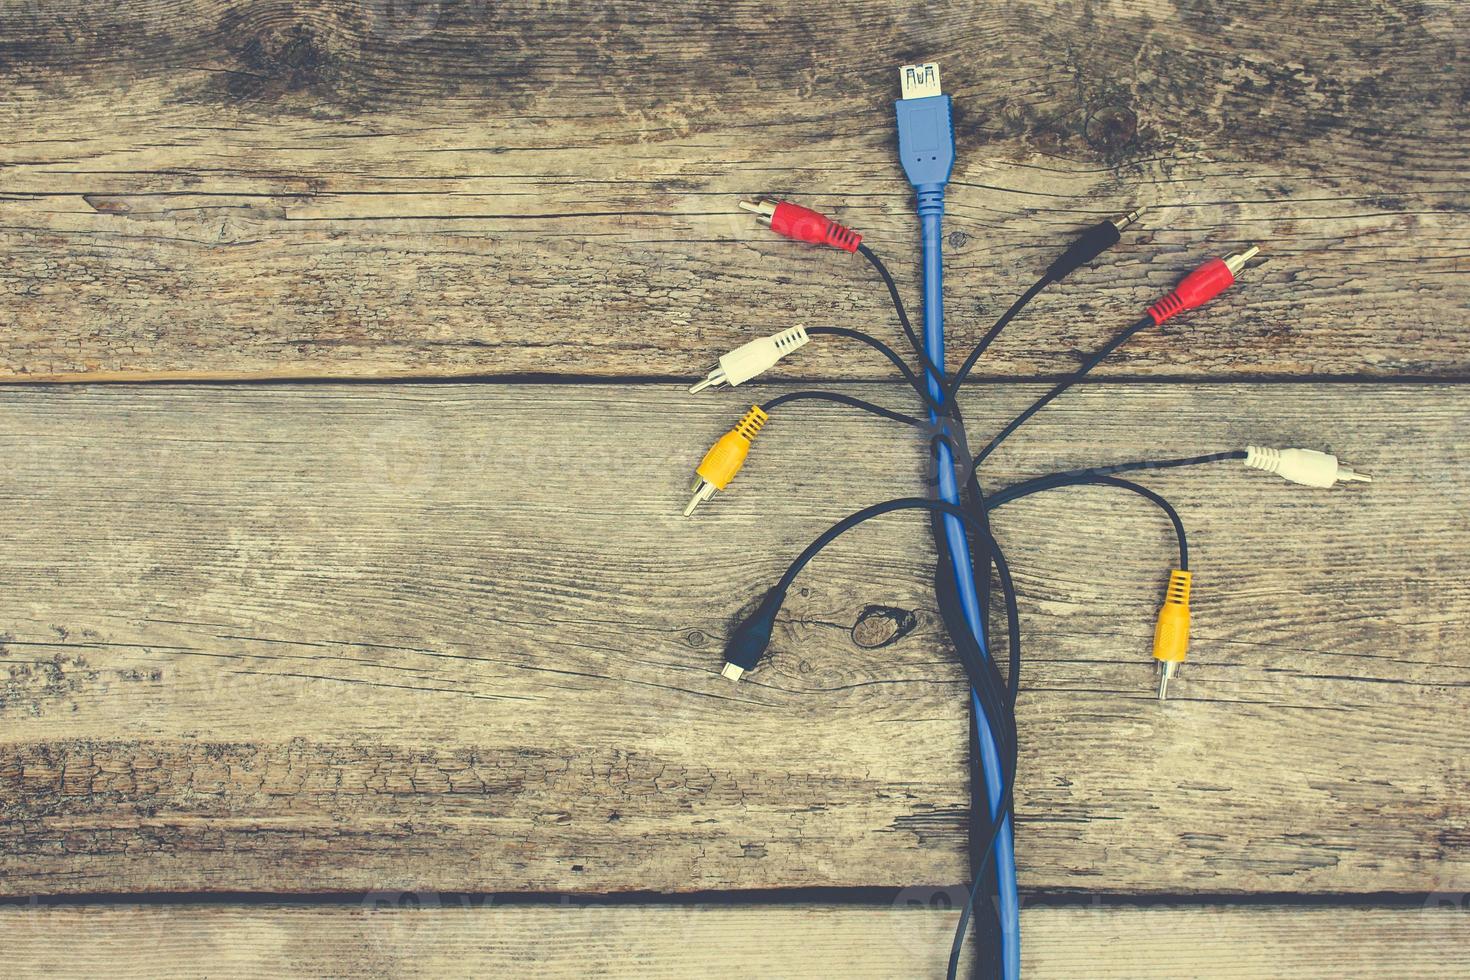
pixel 333 638
pixel 287 189
pixel 1131 943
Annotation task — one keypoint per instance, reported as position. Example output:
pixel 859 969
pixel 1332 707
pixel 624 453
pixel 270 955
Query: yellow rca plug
pixel 725 458
pixel 1171 634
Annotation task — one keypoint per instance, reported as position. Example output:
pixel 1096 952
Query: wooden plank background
pixel 335 640
pixel 444 937
pixel 486 659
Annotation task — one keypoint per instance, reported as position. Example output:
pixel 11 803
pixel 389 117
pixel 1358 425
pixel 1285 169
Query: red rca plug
pixel 803 224
pixel 1202 285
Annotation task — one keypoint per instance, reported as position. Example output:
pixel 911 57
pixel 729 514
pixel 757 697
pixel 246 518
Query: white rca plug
pixel 749 360
pixel 1308 467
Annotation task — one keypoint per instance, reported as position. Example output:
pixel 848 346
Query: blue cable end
pixel 926 140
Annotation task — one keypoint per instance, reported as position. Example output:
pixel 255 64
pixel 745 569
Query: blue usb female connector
pixel 925 130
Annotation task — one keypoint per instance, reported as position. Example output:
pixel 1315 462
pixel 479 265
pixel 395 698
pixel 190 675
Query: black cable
pixel 1148 464
pixel 983 825
pixel 988 932
pixel 887 277
pixel 984 559
pixel 1092 361
pixel 1040 484
pixel 973 497
pixel 979 667
pixel 1087 246
pixel 992 333
pixel 957 447
pixel 996 704
pixel 1013 620
pixel 930 367
pixel 824 539
pixel 984 822
pixel 887 352
pixel 866 514
pixel 841 399
pixel 1006 800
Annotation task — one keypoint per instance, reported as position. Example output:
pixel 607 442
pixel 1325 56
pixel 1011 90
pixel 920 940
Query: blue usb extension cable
pixel 926 150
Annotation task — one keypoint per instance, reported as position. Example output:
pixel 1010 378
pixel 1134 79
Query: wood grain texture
pixel 318 638
pixel 447 939
pixel 362 188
